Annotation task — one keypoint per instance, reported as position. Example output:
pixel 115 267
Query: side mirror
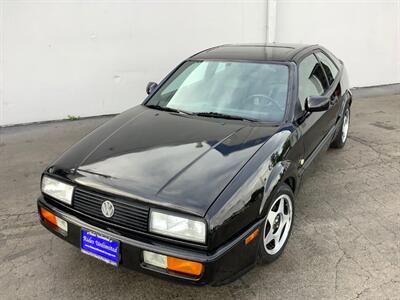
pixel 317 103
pixel 150 87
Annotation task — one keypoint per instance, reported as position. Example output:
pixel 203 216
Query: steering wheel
pixel 265 97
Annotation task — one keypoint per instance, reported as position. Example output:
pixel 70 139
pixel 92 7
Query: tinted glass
pixel 329 67
pixel 251 90
pixel 312 80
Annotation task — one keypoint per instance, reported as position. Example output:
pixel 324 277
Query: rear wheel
pixel 341 137
pixel 277 225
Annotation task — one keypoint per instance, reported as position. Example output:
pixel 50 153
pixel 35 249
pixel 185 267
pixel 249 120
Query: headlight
pixel 177 226
pixel 57 189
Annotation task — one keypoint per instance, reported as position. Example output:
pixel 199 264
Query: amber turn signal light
pixel 184 266
pixel 53 219
pixel 252 236
pixel 48 216
pixel 169 263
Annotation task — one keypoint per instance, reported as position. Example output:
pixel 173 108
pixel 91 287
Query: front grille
pixel 127 214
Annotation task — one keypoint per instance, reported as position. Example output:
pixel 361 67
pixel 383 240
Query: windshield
pixel 255 91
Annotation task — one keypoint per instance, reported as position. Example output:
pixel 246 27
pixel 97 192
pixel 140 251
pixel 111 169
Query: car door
pixel 334 90
pixel 311 82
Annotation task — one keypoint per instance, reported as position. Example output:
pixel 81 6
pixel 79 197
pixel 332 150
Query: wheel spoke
pixel 281 206
pixel 271 217
pixel 270 236
pixel 285 219
pixel 278 234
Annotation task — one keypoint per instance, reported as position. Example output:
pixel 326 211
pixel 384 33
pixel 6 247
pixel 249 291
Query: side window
pixel 329 67
pixel 312 80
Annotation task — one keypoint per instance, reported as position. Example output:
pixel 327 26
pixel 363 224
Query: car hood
pixel 172 160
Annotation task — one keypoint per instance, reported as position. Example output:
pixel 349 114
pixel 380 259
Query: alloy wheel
pixel 345 126
pixel 277 224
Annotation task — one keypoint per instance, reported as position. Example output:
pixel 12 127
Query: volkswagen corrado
pixel 198 183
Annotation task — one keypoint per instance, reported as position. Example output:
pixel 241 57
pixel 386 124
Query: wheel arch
pixel 282 172
pixel 291 182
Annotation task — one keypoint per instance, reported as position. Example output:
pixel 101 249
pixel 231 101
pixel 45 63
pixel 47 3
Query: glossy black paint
pixel 221 170
pixel 218 264
pixel 317 103
pixel 151 86
pixel 251 52
pixel 161 157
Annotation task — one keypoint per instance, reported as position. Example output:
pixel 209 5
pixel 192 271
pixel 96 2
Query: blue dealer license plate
pixel 100 247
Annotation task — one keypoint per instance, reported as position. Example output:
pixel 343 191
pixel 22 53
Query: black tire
pixel 338 141
pixel 283 190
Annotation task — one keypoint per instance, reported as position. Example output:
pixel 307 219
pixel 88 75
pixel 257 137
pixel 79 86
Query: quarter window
pixel 329 67
pixel 312 80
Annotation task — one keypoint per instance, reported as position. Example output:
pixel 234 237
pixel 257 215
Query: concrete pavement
pixel 345 242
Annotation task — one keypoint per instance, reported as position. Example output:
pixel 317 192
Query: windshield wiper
pixel 223 116
pixel 165 108
pixel 201 114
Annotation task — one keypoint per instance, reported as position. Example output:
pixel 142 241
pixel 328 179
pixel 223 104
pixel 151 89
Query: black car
pixel 198 182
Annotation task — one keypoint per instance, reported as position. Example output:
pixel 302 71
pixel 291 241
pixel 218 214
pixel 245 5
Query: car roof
pixel 253 52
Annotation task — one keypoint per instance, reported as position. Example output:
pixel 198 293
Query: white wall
pixel 86 58
pixel 364 34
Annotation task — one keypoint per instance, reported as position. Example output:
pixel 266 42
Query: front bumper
pixel 225 264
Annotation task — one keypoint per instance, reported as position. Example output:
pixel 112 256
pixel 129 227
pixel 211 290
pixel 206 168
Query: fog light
pixel 53 219
pixel 62 224
pixel 173 264
pixel 155 259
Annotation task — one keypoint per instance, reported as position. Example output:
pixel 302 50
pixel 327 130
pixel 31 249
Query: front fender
pixel 279 174
pixel 243 200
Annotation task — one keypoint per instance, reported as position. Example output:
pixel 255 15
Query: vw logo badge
pixel 107 208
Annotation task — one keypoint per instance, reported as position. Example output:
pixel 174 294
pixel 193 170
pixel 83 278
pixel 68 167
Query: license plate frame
pixel 100 246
